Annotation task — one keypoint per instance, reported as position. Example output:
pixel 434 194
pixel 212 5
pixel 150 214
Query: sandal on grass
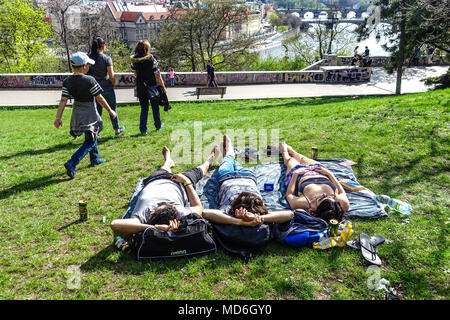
pixel 375 241
pixel 368 250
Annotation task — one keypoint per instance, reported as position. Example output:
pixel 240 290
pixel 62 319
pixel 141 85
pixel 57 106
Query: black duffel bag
pixel 239 240
pixel 192 238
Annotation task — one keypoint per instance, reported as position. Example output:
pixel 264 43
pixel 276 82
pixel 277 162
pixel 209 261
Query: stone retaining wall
pixel 312 74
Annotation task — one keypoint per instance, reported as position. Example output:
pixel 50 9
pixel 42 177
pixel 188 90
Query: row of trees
pixel 198 35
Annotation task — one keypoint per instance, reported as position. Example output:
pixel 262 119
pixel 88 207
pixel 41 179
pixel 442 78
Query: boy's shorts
pixel 194 174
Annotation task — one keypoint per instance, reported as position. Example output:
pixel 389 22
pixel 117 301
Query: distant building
pixel 135 21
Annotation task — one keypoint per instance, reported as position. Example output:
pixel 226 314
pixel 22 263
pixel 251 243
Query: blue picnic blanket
pixel 302 229
pixel 362 203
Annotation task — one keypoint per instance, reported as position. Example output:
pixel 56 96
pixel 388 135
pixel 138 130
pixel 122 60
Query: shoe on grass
pixel 121 129
pixel 162 125
pixel 69 169
pixel 100 161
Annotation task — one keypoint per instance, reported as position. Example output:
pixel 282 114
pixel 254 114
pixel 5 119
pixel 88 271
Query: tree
pixel 169 49
pixel 24 32
pixel 292 21
pixel 414 23
pixel 275 20
pixel 210 30
pixel 313 44
pixel 59 11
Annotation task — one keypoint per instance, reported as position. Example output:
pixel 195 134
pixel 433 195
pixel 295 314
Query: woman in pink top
pixel 172 77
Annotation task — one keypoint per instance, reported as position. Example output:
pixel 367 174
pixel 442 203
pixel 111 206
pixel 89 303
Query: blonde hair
pixel 142 47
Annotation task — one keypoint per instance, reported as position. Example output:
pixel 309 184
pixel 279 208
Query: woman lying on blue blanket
pixel 239 200
pixel 312 187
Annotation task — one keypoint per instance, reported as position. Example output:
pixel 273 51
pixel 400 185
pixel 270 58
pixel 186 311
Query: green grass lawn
pixel 401 145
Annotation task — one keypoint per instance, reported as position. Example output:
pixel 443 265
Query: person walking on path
pixel 149 84
pixel 85 118
pixel 172 77
pixel 103 73
pixel 211 71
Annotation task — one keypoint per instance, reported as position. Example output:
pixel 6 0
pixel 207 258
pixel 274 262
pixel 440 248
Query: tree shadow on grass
pixel 314 101
pixel 62 146
pixel 39 183
pixel 128 264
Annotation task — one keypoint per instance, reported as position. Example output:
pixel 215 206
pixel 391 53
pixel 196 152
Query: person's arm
pixel 134 225
pixel 218 216
pixel 160 81
pixel 129 226
pixel 294 201
pixel 278 216
pixel 62 105
pixel 105 105
pixel 111 75
pixel 194 200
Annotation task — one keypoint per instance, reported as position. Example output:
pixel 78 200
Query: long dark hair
pixel 329 209
pixel 249 201
pixel 97 43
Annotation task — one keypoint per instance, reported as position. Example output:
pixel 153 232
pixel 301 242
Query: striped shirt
pixel 81 87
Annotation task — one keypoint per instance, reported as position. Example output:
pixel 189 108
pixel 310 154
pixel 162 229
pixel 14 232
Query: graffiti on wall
pixel 349 75
pixel 304 77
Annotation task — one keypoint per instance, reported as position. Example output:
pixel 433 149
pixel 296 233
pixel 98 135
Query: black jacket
pixel 145 68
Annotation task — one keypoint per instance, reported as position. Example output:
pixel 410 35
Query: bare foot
pixel 214 154
pixel 227 146
pixel 167 159
pixel 283 147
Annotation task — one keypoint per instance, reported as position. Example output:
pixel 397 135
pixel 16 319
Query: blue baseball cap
pixel 80 58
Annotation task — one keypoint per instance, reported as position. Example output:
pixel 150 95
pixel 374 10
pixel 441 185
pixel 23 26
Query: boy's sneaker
pixel 121 129
pixel 100 161
pixel 70 170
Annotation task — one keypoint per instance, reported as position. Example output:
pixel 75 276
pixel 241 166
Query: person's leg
pixel 299 157
pixel 156 114
pixel 144 114
pixel 168 162
pixel 204 167
pixel 289 161
pixel 110 97
pixel 89 142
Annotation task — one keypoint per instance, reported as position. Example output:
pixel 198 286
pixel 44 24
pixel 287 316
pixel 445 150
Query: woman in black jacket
pixel 148 79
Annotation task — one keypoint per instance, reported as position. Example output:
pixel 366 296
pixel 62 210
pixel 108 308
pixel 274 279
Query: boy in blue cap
pixel 85 118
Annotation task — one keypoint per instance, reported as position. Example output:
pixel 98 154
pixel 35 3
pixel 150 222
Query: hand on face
pixel 243 214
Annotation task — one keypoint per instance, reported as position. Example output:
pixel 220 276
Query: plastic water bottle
pixel 394 204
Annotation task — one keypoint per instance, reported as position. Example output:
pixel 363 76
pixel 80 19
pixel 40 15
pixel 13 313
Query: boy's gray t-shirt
pixel 157 193
pixel 99 71
pixel 230 189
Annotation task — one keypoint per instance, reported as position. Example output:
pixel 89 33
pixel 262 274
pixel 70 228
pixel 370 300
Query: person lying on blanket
pixel 312 187
pixel 162 201
pixel 239 200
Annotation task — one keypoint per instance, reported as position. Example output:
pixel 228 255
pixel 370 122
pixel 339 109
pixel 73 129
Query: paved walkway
pixel 380 84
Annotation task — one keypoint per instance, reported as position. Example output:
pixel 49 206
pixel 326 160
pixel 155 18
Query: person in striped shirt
pixel 85 119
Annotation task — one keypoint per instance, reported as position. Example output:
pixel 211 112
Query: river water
pixel 275 49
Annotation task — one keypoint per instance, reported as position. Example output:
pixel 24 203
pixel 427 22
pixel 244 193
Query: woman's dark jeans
pixel 110 97
pixel 144 101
